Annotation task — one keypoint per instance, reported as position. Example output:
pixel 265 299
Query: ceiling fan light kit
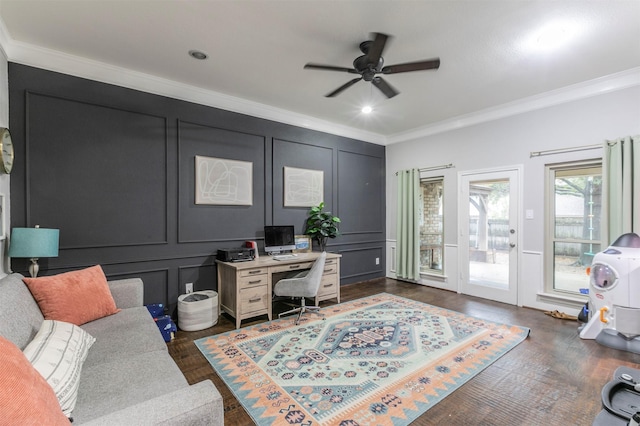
pixel 371 63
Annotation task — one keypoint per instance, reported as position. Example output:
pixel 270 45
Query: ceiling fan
pixel 372 63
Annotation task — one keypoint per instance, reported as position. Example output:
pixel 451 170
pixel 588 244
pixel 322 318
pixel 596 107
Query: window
pixel 574 198
pixel 431 226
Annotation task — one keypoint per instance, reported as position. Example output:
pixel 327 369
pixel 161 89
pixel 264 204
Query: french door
pixel 489 212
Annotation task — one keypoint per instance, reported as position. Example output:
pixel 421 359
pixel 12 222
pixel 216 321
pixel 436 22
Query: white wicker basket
pixel 200 314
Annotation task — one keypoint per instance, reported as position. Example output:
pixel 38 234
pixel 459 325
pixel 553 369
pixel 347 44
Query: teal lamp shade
pixel 34 243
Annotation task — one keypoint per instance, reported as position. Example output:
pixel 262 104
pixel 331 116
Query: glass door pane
pixel 489 233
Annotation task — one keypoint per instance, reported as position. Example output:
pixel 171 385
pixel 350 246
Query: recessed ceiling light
pixel 366 109
pixel 198 55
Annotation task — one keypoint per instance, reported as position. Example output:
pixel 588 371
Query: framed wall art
pixel 303 187
pixel 223 182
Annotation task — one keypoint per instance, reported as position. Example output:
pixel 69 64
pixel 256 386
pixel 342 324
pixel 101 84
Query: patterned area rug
pixel 380 360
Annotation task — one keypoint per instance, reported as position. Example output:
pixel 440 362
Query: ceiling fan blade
pixel 384 87
pixel 330 68
pixel 431 64
pixel 343 87
pixel 375 51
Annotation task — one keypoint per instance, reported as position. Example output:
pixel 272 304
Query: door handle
pixel 512 245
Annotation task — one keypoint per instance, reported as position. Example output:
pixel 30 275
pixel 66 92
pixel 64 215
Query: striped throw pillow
pixel 58 351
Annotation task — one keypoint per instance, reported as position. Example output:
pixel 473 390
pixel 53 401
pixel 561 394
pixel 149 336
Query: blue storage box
pixel 167 327
pixel 156 309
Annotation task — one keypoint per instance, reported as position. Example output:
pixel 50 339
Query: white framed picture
pixel 223 182
pixel 303 187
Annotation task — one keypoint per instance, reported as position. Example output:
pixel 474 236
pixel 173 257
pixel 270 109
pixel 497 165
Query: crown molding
pixel 28 54
pixel 597 86
pixel 40 57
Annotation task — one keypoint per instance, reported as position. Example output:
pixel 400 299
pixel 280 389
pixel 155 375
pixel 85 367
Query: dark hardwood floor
pixel 552 378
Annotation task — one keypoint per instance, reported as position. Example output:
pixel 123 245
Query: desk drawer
pixel 330 269
pixel 253 272
pixel 254 299
pixel 328 285
pixel 253 281
pixel 291 267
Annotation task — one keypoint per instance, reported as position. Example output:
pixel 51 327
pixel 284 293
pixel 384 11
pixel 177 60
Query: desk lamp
pixel 34 243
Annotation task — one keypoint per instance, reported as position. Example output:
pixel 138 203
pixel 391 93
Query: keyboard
pixel 284 256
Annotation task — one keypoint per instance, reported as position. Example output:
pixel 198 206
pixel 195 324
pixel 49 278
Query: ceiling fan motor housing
pixel 366 68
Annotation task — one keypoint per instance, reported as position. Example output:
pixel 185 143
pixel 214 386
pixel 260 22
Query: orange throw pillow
pixel 76 297
pixel 27 398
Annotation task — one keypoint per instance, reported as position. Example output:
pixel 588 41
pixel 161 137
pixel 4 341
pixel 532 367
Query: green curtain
pixel 408 229
pixel 622 180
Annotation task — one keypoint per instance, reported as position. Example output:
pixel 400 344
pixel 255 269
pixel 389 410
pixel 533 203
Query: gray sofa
pixel 128 376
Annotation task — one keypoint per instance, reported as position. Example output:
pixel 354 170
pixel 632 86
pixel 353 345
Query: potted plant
pixel 321 225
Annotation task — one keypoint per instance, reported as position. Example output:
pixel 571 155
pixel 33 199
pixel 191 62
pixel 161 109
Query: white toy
pixel 614 295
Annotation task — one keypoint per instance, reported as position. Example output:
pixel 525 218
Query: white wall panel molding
pixel 390 253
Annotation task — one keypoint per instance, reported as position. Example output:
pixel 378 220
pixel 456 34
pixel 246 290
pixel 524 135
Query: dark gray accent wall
pixel 114 170
pixel 206 223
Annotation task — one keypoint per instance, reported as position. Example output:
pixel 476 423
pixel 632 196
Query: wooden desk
pixel 245 288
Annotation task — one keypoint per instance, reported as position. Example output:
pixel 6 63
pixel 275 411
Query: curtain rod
pixel 444 166
pixel 563 150
pixel 427 169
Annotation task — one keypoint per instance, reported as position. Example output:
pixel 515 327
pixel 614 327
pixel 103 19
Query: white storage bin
pixel 194 315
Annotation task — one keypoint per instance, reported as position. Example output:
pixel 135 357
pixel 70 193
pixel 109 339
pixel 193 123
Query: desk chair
pixel 301 287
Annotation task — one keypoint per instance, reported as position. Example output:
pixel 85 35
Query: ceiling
pixel 257 50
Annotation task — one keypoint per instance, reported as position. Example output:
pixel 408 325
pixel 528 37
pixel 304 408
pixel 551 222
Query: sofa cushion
pixel 129 332
pixel 27 399
pixel 20 316
pixel 111 386
pixel 58 352
pixel 76 297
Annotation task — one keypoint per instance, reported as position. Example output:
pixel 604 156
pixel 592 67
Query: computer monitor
pixel 279 238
